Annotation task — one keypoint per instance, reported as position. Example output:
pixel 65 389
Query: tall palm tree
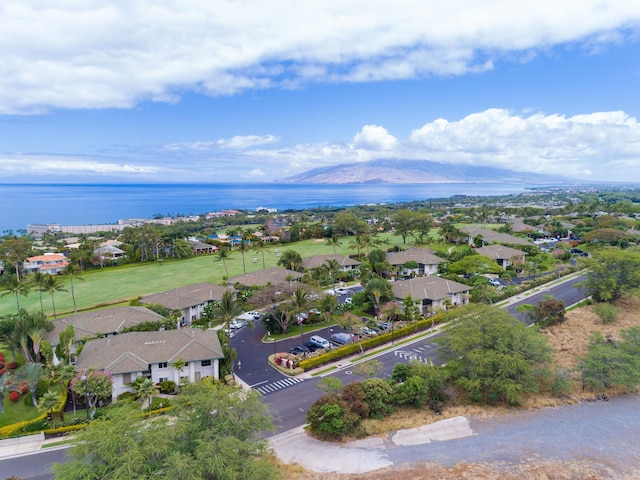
pixel 52 285
pixel 300 303
pixel 378 290
pixel 10 333
pixel 73 271
pixel 358 244
pixel 15 287
pixel 227 309
pixel 260 247
pixel 223 255
pixel 4 389
pixel 146 390
pixel 38 280
pixel 243 247
pixel 328 305
pixel 334 242
pixel 332 267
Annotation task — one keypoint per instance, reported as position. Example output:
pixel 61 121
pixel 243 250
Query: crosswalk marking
pixel 278 385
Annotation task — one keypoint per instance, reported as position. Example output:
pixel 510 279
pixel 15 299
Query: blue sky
pixel 254 91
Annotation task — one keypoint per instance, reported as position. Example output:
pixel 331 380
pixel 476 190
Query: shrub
pixel 608 313
pixel 14 396
pixel 378 393
pixel 330 417
pixel 127 397
pixel 167 386
pixel 23 388
pixel 355 397
pixel 11 366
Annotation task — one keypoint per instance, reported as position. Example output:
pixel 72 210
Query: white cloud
pixel 577 146
pixel 374 137
pixel 240 142
pixel 255 173
pixel 73 54
pixel 58 166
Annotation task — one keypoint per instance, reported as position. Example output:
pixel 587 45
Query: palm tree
pixel 223 255
pixel 226 310
pixel 300 303
pixel 52 285
pixel 38 281
pixel 15 287
pixel 328 305
pixel 332 267
pixel 358 243
pixel 4 388
pixel 31 373
pixel 10 333
pixel 378 290
pixel 179 365
pixel 146 390
pixel 260 247
pixel 73 271
pixel 334 242
pixel 48 402
pixel 243 248
pixel 290 260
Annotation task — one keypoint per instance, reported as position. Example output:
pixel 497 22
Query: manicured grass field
pixel 121 284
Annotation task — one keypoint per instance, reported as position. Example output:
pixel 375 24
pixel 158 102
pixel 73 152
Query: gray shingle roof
pixel 430 287
pixel 187 296
pixel 319 260
pixel 492 236
pixel 107 321
pixel 421 255
pixel 135 351
pixel 499 252
pixel 272 275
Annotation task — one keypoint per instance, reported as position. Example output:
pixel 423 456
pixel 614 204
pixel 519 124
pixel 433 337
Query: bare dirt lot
pixel 569 342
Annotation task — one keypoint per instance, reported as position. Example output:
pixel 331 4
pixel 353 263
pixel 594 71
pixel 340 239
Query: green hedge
pixel 370 343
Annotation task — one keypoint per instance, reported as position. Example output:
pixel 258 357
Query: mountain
pixel 416 171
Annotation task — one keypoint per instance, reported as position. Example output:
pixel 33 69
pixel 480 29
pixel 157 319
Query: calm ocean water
pixel 23 204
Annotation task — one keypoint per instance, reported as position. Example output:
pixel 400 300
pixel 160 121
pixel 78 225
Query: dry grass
pixel 569 342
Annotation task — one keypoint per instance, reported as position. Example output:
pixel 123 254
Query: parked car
pixel 311 346
pixel 255 315
pixel 321 342
pixel 315 311
pixel 300 350
pixel 237 323
pixel 385 325
pixel 342 291
pixel 368 331
pixel 495 282
pixel 348 300
pixel 342 338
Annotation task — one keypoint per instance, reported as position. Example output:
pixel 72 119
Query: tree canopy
pixel 212 433
pixel 492 355
pixel 611 273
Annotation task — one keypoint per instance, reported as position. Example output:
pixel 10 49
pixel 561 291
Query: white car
pixel 255 315
pixel 315 311
pixel 495 282
pixel 237 323
pixel 342 291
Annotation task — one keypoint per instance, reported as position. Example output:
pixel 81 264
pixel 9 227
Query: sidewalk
pixel 25 445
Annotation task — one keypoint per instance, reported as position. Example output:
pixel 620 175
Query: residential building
pixel 190 299
pixel 504 256
pixel 267 276
pixel 432 292
pixel 346 263
pixel 154 355
pixel 428 263
pixel 50 263
pixel 491 236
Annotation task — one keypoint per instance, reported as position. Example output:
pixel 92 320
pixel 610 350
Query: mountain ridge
pixel 416 171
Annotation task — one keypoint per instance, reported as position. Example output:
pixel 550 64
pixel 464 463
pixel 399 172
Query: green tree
pixel 474 265
pixel 53 285
pixel 31 374
pixel 66 339
pixel 260 247
pixel 347 223
pixel 612 363
pixel 48 402
pixel 291 260
pixel 333 241
pixel 299 304
pixel 243 247
pixel 226 310
pixel 403 222
pixel 493 356
pixel 411 309
pixel 611 273
pixel 94 386
pixel 182 248
pixel 546 312
pixel 15 287
pixel 378 291
pixel 214 432
pixel 4 389
pixel 333 269
pixel 38 281
pixel 607 312
pixel 223 255
pixel 328 305
pixel 146 391
pixel 72 271
pixel 14 251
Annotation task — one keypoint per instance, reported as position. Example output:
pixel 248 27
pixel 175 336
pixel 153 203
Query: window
pixel 162 379
pixel 163 365
pixel 206 363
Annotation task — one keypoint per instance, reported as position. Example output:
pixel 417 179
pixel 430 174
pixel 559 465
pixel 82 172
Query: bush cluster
pixel 337 415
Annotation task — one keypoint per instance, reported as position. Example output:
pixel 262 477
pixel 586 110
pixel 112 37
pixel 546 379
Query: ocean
pixel 74 204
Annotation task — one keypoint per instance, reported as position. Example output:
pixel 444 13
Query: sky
pixel 255 91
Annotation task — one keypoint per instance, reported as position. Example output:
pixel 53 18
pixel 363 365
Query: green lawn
pixel 112 285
